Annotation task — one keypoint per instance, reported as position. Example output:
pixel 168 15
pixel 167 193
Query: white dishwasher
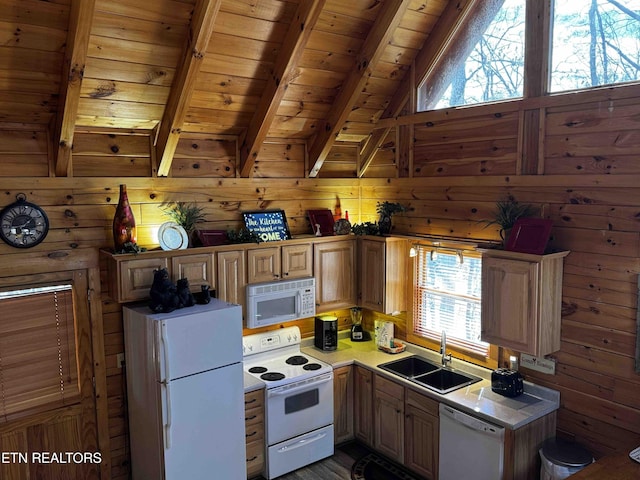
pixel 470 448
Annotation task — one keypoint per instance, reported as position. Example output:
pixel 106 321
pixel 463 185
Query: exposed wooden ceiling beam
pixel 203 19
pixel 283 74
pixel 452 19
pixel 80 20
pixel 372 49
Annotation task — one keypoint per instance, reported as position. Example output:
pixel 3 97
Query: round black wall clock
pixel 23 224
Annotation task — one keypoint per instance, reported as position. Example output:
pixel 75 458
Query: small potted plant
pixel 187 215
pixel 385 211
pixel 507 212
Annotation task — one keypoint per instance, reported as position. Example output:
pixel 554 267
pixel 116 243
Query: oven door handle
pixel 302 443
pixel 287 389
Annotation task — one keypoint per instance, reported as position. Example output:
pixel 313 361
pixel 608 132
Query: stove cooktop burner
pixel 257 370
pixel 296 360
pixel 272 376
pixel 312 366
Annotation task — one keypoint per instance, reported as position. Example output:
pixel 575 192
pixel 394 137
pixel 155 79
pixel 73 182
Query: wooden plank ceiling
pixel 314 71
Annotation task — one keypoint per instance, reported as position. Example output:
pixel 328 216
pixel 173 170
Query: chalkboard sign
pixel 270 225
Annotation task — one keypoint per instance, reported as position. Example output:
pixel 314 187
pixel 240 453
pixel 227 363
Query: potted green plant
pixel 506 213
pixel 385 211
pixel 366 228
pixel 243 235
pixel 187 215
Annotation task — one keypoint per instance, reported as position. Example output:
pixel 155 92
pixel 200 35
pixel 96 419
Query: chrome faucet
pixel 443 349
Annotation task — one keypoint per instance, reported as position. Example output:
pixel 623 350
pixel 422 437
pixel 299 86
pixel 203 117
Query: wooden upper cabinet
pixel 522 300
pixel 232 275
pixel 198 269
pixel 275 263
pixel 334 271
pixel 297 261
pixel 131 276
pixel 383 274
pixel 264 265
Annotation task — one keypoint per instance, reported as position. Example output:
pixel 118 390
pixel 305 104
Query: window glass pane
pixel 595 42
pixel 494 70
pixel 447 297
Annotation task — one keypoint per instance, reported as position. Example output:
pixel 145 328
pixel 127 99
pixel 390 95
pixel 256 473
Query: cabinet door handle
pixel 252 458
pixel 250 418
pixel 253 400
pixel 251 434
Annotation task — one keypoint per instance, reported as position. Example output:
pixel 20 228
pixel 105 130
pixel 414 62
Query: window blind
pixel 447 297
pixel 38 364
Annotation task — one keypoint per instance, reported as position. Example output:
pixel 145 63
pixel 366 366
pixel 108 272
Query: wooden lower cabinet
pixel 421 434
pixel 403 424
pixel 388 418
pixel 254 432
pixel 363 405
pixel 343 404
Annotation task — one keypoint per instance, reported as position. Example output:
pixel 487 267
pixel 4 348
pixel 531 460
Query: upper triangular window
pixel 489 68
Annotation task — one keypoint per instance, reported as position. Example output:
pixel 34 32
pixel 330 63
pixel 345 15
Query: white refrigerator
pixel 185 392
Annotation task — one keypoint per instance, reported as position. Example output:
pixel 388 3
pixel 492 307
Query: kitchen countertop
pixel 252 383
pixel 476 399
pixel 617 466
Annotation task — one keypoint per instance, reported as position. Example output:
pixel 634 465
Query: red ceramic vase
pixel 124 225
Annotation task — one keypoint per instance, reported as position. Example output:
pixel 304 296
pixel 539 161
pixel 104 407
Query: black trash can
pixel 562 458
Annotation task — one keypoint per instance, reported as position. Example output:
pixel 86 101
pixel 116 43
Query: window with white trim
pixel 447 295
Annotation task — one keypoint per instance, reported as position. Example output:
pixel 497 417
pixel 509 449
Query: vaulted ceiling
pixel 317 71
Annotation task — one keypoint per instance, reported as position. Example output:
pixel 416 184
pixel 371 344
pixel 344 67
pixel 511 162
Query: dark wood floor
pixel 336 467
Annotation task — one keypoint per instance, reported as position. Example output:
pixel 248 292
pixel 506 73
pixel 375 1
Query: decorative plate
pixel 172 236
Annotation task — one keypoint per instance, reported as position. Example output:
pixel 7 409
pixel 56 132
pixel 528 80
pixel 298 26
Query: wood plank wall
pixel 586 182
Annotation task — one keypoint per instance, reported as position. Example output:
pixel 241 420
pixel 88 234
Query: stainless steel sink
pixel 409 367
pixel 429 374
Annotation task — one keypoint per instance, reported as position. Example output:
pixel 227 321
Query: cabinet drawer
pixel 425 404
pixel 255 458
pixel 254 399
pixel 254 432
pixel 387 386
pixel 254 416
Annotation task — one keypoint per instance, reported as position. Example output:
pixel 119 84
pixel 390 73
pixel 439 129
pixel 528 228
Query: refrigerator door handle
pixel 167 423
pixel 167 386
pixel 164 338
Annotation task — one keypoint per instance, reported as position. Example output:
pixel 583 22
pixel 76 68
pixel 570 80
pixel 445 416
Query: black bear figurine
pixel 184 294
pixel 163 294
pixel 204 295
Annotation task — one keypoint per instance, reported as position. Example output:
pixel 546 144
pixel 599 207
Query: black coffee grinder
pixel 357 333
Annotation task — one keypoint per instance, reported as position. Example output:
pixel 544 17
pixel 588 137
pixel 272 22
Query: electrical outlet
pixel 544 365
pixel 120 360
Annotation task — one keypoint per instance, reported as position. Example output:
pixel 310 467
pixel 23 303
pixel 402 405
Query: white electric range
pixel 298 399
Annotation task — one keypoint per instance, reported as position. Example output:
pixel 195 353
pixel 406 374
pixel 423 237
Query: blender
pixel 357 333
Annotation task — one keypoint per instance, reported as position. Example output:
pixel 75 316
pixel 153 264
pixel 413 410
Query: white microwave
pixel 277 302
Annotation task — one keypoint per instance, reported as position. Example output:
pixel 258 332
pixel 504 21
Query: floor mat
pixel 373 467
